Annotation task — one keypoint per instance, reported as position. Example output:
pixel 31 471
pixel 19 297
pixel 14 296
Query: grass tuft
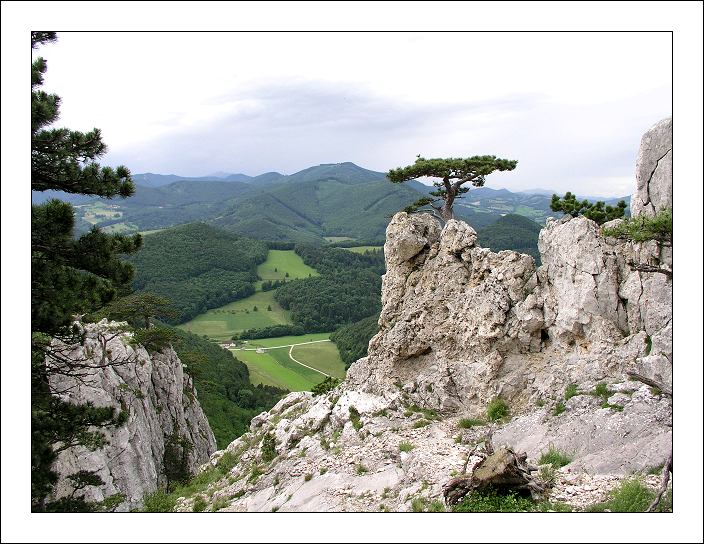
pixel 405 446
pixel 468 423
pixel 555 457
pixel 497 409
pixel 571 391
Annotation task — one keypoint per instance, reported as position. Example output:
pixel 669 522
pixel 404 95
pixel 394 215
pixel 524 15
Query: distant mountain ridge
pixel 332 199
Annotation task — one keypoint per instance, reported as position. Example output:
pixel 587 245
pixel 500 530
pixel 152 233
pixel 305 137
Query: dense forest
pixel 352 340
pixel 347 290
pixel 225 393
pixel 197 267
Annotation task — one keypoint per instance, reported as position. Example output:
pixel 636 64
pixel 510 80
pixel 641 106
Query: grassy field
pixel 279 262
pixel 275 367
pixel 362 249
pixel 221 323
pixel 99 211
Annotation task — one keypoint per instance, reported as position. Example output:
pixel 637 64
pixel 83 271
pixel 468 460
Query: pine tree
pixel 597 212
pixel 452 174
pixel 70 277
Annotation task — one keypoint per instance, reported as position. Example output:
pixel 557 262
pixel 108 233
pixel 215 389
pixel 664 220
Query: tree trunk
pixel 446 210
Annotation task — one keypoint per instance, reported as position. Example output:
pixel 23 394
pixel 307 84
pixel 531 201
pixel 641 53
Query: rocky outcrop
pixel 654 171
pixel 166 429
pixel 459 327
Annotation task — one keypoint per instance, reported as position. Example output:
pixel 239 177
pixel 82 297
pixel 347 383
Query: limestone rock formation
pixel 459 326
pixel 166 422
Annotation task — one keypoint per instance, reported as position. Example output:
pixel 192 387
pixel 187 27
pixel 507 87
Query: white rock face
pixel 654 171
pixel 459 326
pixel 162 405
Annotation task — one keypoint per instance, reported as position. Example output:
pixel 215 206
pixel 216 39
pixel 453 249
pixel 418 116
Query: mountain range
pixel 327 200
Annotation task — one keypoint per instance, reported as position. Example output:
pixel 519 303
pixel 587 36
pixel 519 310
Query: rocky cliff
pixel 461 326
pixel 166 433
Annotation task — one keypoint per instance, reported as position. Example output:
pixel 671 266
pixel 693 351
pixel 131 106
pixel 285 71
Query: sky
pixel 570 107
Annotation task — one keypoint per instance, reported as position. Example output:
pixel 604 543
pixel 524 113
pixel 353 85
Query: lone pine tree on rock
pixel 449 176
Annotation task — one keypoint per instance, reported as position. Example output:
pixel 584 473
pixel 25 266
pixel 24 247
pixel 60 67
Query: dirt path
pixel 290 356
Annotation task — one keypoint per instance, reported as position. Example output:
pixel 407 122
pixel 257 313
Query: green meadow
pixel 221 323
pixel 279 262
pixel 275 367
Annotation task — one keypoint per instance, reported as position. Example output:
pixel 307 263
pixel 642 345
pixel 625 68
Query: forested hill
pixel 347 290
pixel 197 267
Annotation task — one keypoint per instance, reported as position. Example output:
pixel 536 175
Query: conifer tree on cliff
pixel 69 277
pixel 449 176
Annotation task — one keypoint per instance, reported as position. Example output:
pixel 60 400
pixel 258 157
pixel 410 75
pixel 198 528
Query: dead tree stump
pixel 504 470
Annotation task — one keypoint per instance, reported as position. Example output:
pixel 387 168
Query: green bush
pixel 602 390
pixel 199 504
pixel 405 446
pixel 497 409
pixel 559 408
pixel 355 418
pixel 643 228
pixel 361 469
pixel 571 391
pixel 159 501
pixel 268 448
pixel 555 457
pixel 308 477
pixel 328 384
pixel 421 423
pixel 467 423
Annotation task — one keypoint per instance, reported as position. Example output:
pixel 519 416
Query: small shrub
pixel 616 407
pixel 548 475
pixel 323 470
pixel 497 409
pixel 361 469
pixel 238 494
pixel 405 446
pixel 380 413
pixel 274 508
pixel 571 391
pixel 601 390
pixel 199 504
pixel 327 385
pixel 540 403
pixel 254 475
pixel 324 443
pixel 436 506
pixel 655 391
pixel 219 504
pixel 268 448
pixel 555 457
pixel 308 477
pixel 418 504
pixel 467 423
pixel 648 345
pixel 421 423
pixel 427 412
pixel 159 501
pixel 559 408
pixel 355 418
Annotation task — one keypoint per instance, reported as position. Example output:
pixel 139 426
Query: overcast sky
pixel 570 107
